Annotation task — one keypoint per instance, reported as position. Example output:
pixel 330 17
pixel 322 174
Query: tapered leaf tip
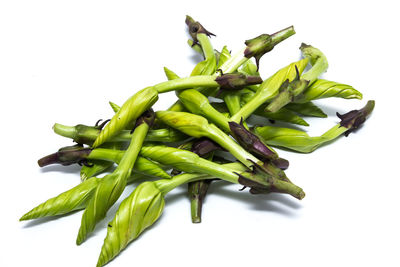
pixel 24 217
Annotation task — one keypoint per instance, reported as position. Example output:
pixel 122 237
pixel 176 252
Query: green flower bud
pixel 237 81
pixel 264 43
pixel 71 200
pixel 196 28
pixel 137 212
pixel 129 112
pixel 67 156
pixel 187 123
pixel 324 89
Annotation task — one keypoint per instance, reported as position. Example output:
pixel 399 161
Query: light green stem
pixel 232 101
pixel 205 43
pixel 234 62
pixel 129 158
pixel 186 83
pixel 166 185
pixel 88 134
pixel 106 154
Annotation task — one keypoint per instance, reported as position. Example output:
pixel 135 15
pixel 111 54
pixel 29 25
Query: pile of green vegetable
pixel 182 145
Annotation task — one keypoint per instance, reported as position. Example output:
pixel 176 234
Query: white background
pixel 62 61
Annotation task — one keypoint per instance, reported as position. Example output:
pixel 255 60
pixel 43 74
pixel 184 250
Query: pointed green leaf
pixel 283 114
pixel 137 212
pixel 223 56
pixel 295 139
pixel 114 106
pixel 170 74
pixel 150 168
pixel 324 88
pixel 73 199
pixel 307 109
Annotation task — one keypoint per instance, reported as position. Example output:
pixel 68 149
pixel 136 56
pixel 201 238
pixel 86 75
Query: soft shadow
pixel 40 221
pixel 59 168
pixel 172 198
pixel 258 202
pixel 259 121
pixel 196 57
pixel 331 110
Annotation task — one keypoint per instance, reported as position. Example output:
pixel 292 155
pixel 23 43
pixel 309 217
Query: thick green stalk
pixel 206 46
pixel 199 104
pixel 186 83
pixel 195 47
pixel 83 134
pixel 142 165
pixel 197 191
pixel 234 62
pixel 167 186
pixel 232 101
pixel 96 167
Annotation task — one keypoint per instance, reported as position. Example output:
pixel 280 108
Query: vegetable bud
pixel 257 178
pixel 287 93
pixel 147 117
pixel 204 146
pixel 137 212
pixel 264 43
pixel 237 81
pixel 67 156
pixel 188 123
pixel 352 120
pixel 196 28
pixel 250 141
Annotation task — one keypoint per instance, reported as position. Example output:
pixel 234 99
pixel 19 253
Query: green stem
pixel 66 131
pixel 219 120
pixel 234 62
pixel 130 156
pixel 106 154
pixel 86 134
pixel 205 43
pixel 232 101
pixel 186 83
pixel 199 104
pixel 166 185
